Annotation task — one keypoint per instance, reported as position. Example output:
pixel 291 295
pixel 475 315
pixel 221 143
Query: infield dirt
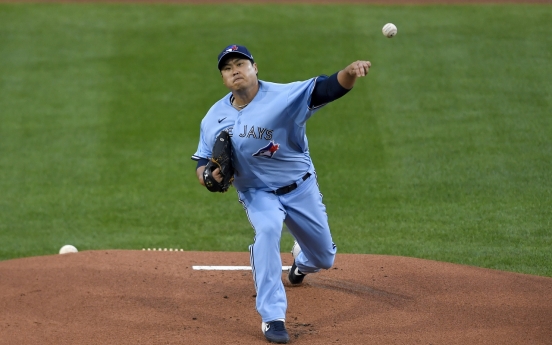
pixel 146 297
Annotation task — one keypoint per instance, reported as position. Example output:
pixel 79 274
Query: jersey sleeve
pixel 299 99
pixel 204 150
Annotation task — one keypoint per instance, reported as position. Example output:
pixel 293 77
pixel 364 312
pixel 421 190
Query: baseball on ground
pixel 68 249
pixel 389 30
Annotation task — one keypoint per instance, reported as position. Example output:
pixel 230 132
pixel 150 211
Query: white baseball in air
pixel 68 249
pixel 389 30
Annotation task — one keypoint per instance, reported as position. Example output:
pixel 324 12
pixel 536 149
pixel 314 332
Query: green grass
pixel 444 152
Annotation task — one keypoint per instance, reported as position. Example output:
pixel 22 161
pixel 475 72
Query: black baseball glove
pixel 222 159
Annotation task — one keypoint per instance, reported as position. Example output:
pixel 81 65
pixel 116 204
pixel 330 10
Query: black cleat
pixel 275 332
pixel 295 276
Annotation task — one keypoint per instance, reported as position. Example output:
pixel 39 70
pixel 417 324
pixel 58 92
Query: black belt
pixel 291 187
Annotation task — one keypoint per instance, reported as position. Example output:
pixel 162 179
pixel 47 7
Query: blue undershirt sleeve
pixel 201 162
pixel 326 90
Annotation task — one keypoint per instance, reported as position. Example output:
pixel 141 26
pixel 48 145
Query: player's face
pixel 239 73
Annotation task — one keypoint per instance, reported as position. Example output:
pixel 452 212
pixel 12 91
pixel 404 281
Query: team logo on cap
pixel 268 151
pixel 232 48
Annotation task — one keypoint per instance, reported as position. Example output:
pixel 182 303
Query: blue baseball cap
pixel 234 49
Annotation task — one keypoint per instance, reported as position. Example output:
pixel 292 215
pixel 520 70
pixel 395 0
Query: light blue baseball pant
pixel 305 215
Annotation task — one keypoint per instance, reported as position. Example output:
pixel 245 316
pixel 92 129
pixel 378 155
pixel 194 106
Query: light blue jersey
pixel 268 136
pixel 270 146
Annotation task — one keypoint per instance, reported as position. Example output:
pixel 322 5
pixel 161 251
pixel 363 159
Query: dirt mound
pixel 140 297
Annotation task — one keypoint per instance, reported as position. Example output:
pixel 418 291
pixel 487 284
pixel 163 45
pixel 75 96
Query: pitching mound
pixel 141 297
